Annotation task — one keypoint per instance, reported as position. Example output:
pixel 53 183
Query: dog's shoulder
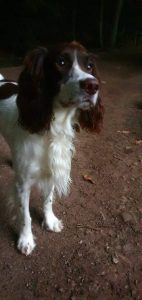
pixel 8 88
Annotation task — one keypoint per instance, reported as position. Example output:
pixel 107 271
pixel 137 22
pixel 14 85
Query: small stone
pixel 107 247
pixel 103 273
pixel 115 260
pixel 128 149
pixel 126 217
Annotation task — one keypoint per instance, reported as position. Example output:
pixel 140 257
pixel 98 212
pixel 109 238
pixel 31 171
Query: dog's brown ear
pixel 92 120
pixel 33 61
pixel 35 110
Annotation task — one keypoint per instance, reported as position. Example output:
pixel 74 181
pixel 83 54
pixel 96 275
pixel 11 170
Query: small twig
pixel 96 228
pixel 87 227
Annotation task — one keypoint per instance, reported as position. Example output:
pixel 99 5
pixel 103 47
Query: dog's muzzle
pixel 89 85
pixel 90 89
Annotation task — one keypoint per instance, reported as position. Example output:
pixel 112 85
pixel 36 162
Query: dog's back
pixel 8 107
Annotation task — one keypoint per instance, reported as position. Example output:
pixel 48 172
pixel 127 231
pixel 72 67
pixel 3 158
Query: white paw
pixel 26 244
pixel 53 223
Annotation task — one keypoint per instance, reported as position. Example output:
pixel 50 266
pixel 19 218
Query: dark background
pixel 96 23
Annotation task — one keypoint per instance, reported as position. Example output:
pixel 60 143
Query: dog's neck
pixel 61 148
pixel 62 123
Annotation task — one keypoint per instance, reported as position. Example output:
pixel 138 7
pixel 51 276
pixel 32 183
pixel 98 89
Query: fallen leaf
pixel 138 142
pixel 88 178
pixel 123 131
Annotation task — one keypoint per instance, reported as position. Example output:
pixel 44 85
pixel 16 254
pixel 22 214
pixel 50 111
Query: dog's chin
pixel 88 102
pixel 86 105
pixel 83 103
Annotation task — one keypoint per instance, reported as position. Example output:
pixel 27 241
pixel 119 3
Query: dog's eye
pixel 90 66
pixel 61 61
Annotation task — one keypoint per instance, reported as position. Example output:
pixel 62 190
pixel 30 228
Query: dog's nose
pixel 90 85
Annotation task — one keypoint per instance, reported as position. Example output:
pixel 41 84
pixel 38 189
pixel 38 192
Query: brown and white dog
pixel 57 89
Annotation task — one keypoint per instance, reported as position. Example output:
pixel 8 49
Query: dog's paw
pixel 53 223
pixel 26 244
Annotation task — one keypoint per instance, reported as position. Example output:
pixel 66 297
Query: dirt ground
pixel 98 255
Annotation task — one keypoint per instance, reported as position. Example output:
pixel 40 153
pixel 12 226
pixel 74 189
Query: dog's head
pixel 62 76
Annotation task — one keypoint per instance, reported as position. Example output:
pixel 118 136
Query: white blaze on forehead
pixel 76 72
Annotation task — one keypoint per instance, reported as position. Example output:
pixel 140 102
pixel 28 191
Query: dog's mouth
pixel 86 104
pixel 88 101
pixel 78 99
pixel 83 104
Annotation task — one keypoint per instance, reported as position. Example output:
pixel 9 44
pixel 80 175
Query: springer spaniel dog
pixel 57 92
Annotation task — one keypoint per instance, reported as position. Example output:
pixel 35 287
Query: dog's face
pixel 62 76
pixel 71 71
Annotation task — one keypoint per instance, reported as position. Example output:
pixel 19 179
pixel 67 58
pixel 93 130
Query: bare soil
pixel 98 255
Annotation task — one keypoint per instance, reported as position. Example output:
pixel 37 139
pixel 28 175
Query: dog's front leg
pixel 26 242
pixel 50 220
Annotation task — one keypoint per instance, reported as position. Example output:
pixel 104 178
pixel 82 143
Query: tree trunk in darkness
pixel 116 22
pixel 101 22
pixel 74 21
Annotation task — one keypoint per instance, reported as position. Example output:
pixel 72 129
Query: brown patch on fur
pixel 92 120
pixel 73 45
pixel 35 109
pixel 7 90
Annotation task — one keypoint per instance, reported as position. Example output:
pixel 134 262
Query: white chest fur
pixel 39 158
pixel 61 149
pixel 47 157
